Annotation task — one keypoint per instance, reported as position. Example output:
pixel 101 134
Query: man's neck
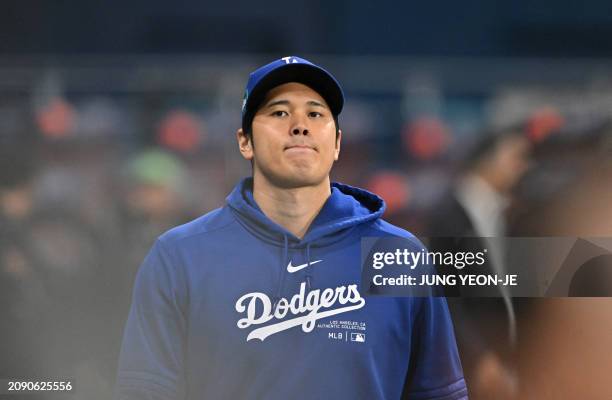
pixel 293 209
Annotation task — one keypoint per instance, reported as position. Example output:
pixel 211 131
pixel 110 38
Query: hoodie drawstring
pixel 281 279
pixel 309 277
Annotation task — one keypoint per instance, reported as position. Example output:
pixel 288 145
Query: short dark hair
pixel 486 145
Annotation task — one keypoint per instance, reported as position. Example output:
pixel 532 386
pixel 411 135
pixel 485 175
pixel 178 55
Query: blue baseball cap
pixel 285 70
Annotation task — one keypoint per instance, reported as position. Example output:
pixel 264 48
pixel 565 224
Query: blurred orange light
pixel 543 123
pixel 56 119
pixel 181 131
pixel 392 187
pixel 426 138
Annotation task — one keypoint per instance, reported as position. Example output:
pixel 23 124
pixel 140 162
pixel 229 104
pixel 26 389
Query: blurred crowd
pixel 81 202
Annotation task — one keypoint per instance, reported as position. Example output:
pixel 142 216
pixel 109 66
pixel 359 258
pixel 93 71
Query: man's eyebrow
pixel 282 102
pixel 316 104
pixel 277 103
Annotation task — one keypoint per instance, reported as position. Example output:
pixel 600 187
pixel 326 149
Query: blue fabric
pixel 217 313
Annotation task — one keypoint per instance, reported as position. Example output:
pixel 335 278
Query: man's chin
pixel 293 176
pixel 298 180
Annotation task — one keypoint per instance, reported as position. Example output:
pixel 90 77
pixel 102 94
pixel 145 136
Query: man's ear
pixel 337 149
pixel 244 144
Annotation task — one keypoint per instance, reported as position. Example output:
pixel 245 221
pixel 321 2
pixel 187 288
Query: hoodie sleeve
pixel 151 363
pixel 435 368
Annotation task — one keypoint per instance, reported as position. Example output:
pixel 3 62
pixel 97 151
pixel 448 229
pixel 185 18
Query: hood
pixel 346 208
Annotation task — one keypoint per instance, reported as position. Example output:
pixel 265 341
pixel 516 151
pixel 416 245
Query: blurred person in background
pixel 154 197
pixel 52 281
pixel 472 217
pixel 20 286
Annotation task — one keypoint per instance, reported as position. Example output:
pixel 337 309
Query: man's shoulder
pixel 382 228
pixel 210 222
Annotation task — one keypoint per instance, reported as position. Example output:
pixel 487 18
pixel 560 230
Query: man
pixel 470 218
pixel 260 299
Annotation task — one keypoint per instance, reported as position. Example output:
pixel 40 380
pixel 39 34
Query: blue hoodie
pixel 233 306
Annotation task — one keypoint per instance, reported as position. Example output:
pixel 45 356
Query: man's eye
pixel 279 113
pixel 315 114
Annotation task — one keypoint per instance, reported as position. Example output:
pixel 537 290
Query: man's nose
pixel 299 126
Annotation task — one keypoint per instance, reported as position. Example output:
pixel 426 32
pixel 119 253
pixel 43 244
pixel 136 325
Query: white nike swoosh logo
pixel 291 269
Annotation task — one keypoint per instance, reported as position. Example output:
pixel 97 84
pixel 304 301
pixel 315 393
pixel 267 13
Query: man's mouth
pixel 300 147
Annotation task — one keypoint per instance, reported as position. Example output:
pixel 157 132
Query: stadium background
pixel 117 122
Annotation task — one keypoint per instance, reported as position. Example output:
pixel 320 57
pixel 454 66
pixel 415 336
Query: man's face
pixel 512 160
pixel 295 138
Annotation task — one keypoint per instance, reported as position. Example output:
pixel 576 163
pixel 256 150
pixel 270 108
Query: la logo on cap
pixel 289 60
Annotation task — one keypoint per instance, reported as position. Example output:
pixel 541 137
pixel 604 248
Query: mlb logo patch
pixel 357 337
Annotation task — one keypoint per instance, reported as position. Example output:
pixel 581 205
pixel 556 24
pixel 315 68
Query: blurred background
pixel 117 122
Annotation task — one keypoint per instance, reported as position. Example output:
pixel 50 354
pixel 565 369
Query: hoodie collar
pixel 345 208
